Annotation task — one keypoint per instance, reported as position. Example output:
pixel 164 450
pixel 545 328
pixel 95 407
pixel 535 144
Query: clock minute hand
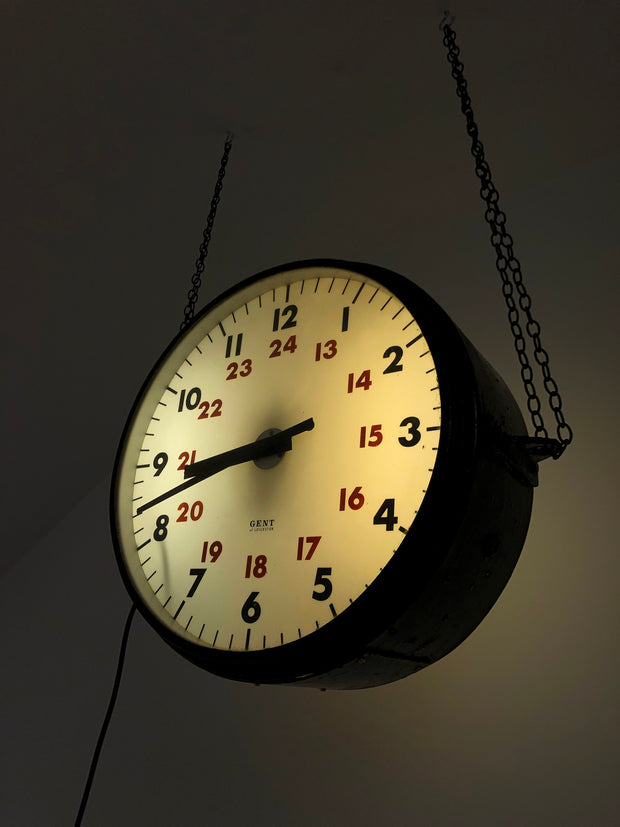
pixel 279 443
pixel 276 444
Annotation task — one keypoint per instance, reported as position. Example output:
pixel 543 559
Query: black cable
pixel 106 720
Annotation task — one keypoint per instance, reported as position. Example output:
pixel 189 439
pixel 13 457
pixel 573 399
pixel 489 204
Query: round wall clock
pixel 318 483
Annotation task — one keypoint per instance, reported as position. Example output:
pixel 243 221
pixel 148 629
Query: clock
pixel 321 482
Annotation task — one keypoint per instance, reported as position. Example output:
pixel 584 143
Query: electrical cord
pixel 106 720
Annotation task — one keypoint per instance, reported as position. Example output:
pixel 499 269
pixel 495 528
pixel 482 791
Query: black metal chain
pixel 192 296
pixel 509 268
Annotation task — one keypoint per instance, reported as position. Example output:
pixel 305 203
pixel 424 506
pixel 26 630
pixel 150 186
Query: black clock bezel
pixel 422 552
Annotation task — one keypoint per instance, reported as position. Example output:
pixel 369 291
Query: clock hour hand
pixel 277 444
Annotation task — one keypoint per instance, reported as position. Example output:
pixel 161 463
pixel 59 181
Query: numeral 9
pixel 160 462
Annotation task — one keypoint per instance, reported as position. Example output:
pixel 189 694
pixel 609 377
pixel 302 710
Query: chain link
pixel 509 269
pixel 192 296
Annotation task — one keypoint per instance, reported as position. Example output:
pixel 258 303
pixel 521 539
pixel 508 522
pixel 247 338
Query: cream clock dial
pixel 274 466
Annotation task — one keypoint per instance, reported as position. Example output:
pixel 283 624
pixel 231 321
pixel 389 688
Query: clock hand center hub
pixel 273 459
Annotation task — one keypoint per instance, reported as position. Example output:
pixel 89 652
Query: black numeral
pixel 189 399
pixel 290 311
pixel 322 580
pixel 161 528
pixel 250 611
pixel 345 319
pixel 229 345
pixel 396 353
pixel 412 423
pixel 198 574
pixel 160 462
pixel 385 515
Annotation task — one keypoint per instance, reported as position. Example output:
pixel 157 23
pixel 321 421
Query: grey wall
pixel 349 143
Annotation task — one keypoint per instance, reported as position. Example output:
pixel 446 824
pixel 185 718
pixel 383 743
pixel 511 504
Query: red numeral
pixel 259 569
pixel 216 406
pixel 195 511
pixel 277 348
pixel 374 438
pixel 234 372
pixel 214 550
pixel 355 500
pixel 325 351
pixel 186 459
pixel 363 381
pixel 312 541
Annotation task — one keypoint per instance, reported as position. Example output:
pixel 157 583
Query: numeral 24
pixel 277 348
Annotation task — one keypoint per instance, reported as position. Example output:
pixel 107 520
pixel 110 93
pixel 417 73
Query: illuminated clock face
pixel 241 546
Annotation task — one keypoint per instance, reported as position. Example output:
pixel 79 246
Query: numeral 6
pixel 250 611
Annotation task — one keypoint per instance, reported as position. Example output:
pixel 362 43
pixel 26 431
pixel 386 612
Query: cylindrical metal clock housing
pixel 383 522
